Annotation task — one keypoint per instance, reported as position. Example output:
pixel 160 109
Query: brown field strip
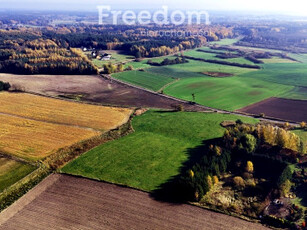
pixel 288 109
pixel 33 140
pixel 63 112
pixel 66 202
pixel 93 89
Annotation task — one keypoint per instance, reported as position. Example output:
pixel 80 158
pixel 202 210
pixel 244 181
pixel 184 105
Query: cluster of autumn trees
pixel 167 61
pixel 150 49
pixel 249 138
pixel 237 151
pixel 24 55
pixel 113 68
pixel 280 137
pixel 195 182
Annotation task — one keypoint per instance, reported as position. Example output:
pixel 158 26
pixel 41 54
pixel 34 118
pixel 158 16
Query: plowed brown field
pixel 66 202
pixel 287 109
pixel 93 89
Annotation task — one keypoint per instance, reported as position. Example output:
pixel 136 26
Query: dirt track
pixel 288 109
pixel 66 202
pixel 94 88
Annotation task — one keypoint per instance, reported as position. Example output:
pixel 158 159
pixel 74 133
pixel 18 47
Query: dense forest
pixel 25 53
pixel 290 38
pixel 55 49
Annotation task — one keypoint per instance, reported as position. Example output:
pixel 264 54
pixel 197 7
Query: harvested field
pixel 218 74
pixel 33 140
pixel 63 112
pixel 288 109
pixel 65 202
pixel 93 89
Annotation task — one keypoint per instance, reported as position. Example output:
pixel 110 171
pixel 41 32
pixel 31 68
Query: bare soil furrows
pixel 69 202
pixel 93 89
pixel 287 109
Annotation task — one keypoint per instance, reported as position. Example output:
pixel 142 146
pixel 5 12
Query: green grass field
pixel 278 77
pixel 302 134
pixel 229 93
pixel 225 42
pixel 296 93
pixel 275 60
pixel 12 171
pixel 152 154
pixel 299 57
pixel 211 56
pixel 147 80
pixel 294 74
pixel 195 69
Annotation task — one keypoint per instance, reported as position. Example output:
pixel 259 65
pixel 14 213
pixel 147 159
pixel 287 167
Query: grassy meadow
pixel 144 79
pixel 225 42
pixel 228 93
pixel 152 154
pixel 11 171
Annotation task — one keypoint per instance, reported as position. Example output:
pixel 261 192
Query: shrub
pixel 249 167
pixel 209 181
pixel 285 187
pixel 191 173
pixel 130 67
pixel 179 108
pixel 239 122
pixel 285 175
pixel 239 182
pixel 303 124
pixel 215 180
pixel 249 143
pixel 4 86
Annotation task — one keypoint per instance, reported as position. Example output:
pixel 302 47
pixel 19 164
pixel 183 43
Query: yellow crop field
pixel 33 140
pixel 63 112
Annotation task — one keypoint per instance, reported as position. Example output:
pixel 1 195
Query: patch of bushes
pixel 111 68
pixel 166 61
pixel 253 59
pixel 224 63
pixel 62 156
pixel 277 222
pixel 4 86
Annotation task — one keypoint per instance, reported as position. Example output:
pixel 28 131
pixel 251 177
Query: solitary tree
pixel 193 96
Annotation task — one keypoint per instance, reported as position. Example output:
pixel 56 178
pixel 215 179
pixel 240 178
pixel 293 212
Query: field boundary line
pixel 13 209
pixel 168 84
pixel 15 158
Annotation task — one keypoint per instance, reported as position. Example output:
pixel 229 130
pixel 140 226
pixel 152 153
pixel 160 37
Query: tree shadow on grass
pixel 172 191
